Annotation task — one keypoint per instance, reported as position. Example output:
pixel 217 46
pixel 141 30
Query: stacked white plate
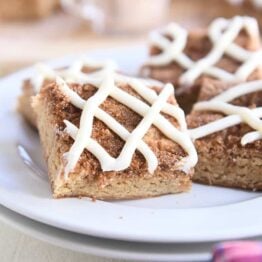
pixel 180 227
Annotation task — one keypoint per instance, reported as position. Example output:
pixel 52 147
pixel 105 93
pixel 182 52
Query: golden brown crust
pixel 52 107
pixel 197 47
pixel 222 159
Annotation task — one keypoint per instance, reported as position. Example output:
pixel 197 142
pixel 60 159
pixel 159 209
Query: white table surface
pixel 18 247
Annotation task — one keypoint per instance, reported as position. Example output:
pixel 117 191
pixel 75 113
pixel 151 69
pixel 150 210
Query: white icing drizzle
pixel 106 160
pixel 251 137
pixel 86 122
pixel 107 86
pixel 236 114
pixel 222 33
pixel 72 73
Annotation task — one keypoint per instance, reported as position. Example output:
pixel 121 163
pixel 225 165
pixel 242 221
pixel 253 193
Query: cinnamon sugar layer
pixel 167 152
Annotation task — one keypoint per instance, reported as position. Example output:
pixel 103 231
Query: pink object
pixel 238 251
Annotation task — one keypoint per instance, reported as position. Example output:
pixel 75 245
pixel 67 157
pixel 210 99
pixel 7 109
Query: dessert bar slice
pixel 227 130
pixel 113 137
pixel 228 50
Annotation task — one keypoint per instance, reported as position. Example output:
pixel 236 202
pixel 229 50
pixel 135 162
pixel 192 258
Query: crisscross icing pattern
pixel 235 114
pixel 74 74
pixel 222 33
pixel 106 84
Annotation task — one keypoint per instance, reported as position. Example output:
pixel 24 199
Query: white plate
pixel 104 247
pixel 204 214
pixel 109 248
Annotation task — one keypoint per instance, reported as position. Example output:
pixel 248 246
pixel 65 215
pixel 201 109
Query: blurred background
pixel 36 30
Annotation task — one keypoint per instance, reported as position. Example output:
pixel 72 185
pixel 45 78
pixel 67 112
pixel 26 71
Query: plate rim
pixel 44 233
